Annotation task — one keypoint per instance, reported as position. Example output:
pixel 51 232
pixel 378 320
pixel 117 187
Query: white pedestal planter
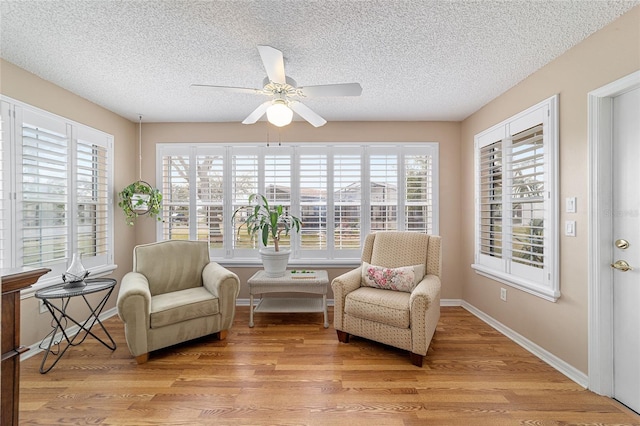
pixel 275 262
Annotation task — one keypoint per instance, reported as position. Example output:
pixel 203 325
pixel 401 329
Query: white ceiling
pixel 415 59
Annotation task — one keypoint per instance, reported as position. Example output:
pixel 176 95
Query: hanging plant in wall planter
pixel 139 199
pixel 269 223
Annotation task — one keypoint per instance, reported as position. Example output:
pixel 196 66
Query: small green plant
pixel 266 221
pixel 139 199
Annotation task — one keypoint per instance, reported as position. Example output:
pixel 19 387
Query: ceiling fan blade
pixel 305 112
pixel 343 89
pixel 273 63
pixel 257 113
pixel 227 88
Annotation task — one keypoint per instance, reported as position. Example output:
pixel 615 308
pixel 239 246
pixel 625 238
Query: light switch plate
pixel 570 228
pixel 570 205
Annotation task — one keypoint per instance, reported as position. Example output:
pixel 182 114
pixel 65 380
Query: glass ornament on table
pixel 76 273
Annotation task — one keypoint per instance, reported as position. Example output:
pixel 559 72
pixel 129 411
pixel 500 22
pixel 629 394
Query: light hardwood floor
pixel 289 370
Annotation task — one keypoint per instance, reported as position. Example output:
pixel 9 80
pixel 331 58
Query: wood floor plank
pixel 290 370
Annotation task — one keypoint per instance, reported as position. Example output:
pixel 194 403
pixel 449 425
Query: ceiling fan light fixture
pixel 279 114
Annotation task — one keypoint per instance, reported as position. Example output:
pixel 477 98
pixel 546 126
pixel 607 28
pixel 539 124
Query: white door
pixel 626 231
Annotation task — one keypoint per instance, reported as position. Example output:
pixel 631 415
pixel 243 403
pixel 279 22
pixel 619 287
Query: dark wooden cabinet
pixel 12 283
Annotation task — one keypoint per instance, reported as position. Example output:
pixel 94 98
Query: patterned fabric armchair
pixel 394 297
pixel 174 294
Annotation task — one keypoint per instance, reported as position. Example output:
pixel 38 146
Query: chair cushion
pixel 403 278
pixel 394 249
pixel 182 305
pixel 171 265
pixel 382 306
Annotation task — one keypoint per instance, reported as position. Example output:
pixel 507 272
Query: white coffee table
pixel 314 283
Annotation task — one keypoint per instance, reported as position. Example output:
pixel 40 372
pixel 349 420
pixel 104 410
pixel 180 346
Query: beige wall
pixel 26 87
pixel 561 327
pixel 447 134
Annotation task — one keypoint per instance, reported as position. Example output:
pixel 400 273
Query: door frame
pixel 600 277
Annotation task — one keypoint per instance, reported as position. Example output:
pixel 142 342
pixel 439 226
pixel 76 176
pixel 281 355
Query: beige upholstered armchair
pixel 174 294
pixel 394 297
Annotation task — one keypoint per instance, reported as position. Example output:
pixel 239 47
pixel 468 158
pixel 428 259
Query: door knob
pixel 621 265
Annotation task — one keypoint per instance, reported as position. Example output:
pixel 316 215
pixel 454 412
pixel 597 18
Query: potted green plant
pixel 269 223
pixel 138 199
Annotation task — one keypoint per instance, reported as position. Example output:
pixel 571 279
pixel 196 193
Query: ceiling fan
pixel 284 93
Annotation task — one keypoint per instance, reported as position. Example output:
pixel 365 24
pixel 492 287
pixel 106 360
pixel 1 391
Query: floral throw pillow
pixel 399 279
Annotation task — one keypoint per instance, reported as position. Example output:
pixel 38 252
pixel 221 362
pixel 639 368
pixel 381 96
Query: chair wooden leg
pixel 342 336
pixel 142 359
pixel 222 334
pixel 416 359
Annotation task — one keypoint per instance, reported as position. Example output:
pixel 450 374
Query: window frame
pixel 79 136
pixel 330 255
pixel 542 282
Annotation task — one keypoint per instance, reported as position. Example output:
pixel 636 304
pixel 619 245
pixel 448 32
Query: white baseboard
pixel 443 302
pixel 71 331
pixel 571 372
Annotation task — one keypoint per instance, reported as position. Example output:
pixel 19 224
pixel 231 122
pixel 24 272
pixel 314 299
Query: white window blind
pixel 337 191
pixel 175 197
pixel 527 189
pixel 5 189
pixel 383 192
pixel 44 187
pixel 490 200
pixel 277 185
pixel 516 190
pixel 347 184
pixel 92 198
pixel 57 192
pixel 245 180
pixel 210 196
pixel 313 201
pixel 418 190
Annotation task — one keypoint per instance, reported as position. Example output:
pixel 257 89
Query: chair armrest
pixel 425 293
pixel 341 286
pixel 225 285
pixel 134 297
pixel 424 306
pixel 134 309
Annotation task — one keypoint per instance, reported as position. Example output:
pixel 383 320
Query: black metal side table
pixel 65 293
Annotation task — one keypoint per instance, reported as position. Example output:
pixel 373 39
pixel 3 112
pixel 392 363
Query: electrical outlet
pixel 503 294
pixel 43 308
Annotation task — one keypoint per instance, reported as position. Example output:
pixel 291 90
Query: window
pixel 59 186
pixel 516 189
pixel 321 184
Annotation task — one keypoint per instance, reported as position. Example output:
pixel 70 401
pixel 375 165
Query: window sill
pixel 96 272
pixel 297 263
pixel 520 284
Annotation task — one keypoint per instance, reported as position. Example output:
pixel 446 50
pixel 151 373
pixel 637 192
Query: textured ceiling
pixel 415 59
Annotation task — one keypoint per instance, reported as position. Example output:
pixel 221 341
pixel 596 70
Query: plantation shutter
pixel 516 215
pixel 5 188
pixel 175 196
pixel 245 169
pixel 92 198
pixel 490 202
pixel 313 201
pixel 383 192
pixel 527 189
pixel 277 183
pixel 210 200
pixel 418 190
pixel 44 207
pixel 347 196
